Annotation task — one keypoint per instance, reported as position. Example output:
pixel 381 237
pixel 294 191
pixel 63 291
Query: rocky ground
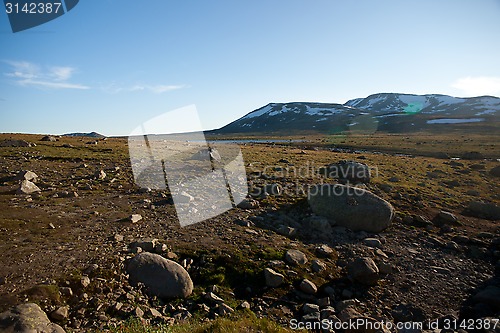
pixel 71 228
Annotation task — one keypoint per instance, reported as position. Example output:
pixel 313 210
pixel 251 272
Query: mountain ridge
pixel 391 112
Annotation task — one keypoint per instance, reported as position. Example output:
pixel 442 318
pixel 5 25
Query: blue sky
pixel 110 65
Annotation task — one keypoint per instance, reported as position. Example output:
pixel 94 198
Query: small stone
pixel 102 317
pixel 171 255
pixel 27 187
pixel 210 296
pixel 440 270
pixel 447 217
pixel 52 226
pixel 325 251
pixel 328 313
pixel 385 268
pixel 147 245
pixel 138 312
pixel 364 270
pixel 311 317
pixel 318 266
pixel 117 307
pixel 100 175
pixel 152 312
pixel 273 278
pixel 134 218
pixel 66 291
pixel 244 305
pixel 324 301
pixel 85 281
pixel 295 257
pixel 310 308
pixel 160 248
pixel 248 204
pixel 451 245
pixel 224 309
pixel 308 287
pixel 118 238
pixel 372 242
pixel 60 313
pixel 286 231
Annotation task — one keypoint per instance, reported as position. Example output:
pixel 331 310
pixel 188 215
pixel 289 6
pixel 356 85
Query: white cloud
pixel 163 88
pixel 478 86
pixel 31 75
pixel 157 89
pixel 62 73
pixel 54 85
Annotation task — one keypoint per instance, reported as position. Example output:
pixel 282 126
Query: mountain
pixel 90 135
pixel 390 112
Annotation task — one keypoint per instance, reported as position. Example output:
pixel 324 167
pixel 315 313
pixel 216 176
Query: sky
pixel 111 65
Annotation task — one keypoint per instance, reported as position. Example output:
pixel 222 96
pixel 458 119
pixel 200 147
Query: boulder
pixel 495 171
pixel 349 171
pixel 48 138
pixel 490 296
pixel 308 287
pixel 163 277
pixel 273 278
pixel 16 143
pixel 364 271
pixel 485 210
pixel 351 207
pixel 473 155
pixel 27 187
pixel 445 217
pixel 295 257
pixel 27 318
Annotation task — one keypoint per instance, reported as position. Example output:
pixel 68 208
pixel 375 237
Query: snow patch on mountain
pixel 454 121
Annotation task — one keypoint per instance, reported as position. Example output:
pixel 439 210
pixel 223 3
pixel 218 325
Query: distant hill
pixel 90 135
pixel 389 112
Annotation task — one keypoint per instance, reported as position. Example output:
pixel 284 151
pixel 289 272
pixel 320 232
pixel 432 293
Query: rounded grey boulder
pixel 351 207
pixel 27 318
pixel 163 277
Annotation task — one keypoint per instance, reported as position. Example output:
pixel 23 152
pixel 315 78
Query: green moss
pixel 44 293
pixel 241 322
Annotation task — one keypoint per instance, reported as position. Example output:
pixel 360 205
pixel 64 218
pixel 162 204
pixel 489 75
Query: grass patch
pixel 239 323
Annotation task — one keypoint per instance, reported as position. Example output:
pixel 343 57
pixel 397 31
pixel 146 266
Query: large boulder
pixel 348 171
pixel 163 278
pixel 27 318
pixel 472 155
pixel 351 207
pixel 495 171
pixel 48 138
pixel 484 210
pixel 16 143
